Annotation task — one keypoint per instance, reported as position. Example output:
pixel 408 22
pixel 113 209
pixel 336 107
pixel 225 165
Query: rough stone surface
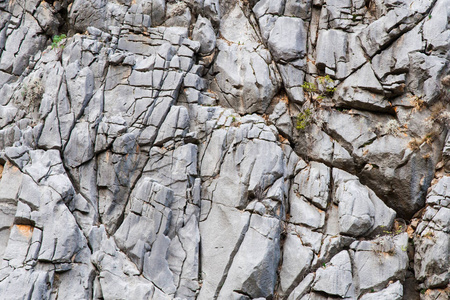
pixel 206 149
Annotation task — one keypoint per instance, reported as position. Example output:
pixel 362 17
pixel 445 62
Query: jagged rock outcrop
pixel 212 149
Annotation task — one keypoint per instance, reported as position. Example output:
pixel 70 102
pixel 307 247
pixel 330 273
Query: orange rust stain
pixel 1 171
pixel 10 167
pixel 25 230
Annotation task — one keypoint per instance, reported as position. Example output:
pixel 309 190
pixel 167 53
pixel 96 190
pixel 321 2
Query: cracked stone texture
pixel 211 149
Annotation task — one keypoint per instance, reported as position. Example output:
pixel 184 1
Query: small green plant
pixel 330 90
pixel 327 83
pixel 325 79
pixel 324 87
pixel 309 87
pixel 304 119
pixel 422 291
pixel 57 39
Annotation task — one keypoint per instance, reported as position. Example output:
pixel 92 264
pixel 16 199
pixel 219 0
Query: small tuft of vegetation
pixel 309 87
pixel 327 83
pixel 325 87
pixel 57 41
pixel 304 119
pixel 417 102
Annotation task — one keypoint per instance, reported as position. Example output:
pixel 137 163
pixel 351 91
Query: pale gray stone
pixel 117 184
pixel 360 210
pixel 205 35
pixel 61 237
pixel 297 258
pixel 287 39
pixel 381 260
pixel 156 267
pixel 303 212
pixel 255 274
pixel 80 147
pixel 247 80
pixel 313 183
pixel 362 90
pixel 431 256
pixel 394 291
pixel 222 231
pixel 30 284
pixel 302 288
pixel 336 277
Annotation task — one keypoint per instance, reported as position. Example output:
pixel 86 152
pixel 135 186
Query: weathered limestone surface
pixel 212 149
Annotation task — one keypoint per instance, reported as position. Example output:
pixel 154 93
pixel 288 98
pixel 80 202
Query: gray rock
pixel 379 261
pixel 222 232
pixel 336 277
pixel 148 211
pixel 338 53
pixel 303 212
pixel 362 90
pixel 297 8
pixel 360 210
pixel 313 183
pixel 27 284
pixel 156 267
pixel 205 35
pixel 254 174
pixel 7 114
pixel 80 85
pixel 50 137
pixel 10 183
pixel 394 291
pixel 255 275
pixel 175 17
pixel 247 80
pixel 268 7
pixel 395 58
pixel 80 147
pixel 118 276
pixel 287 39
pixel 61 237
pixel 302 288
pixel 158 12
pixel 431 256
pixel 297 258
pixel 395 22
pixel 190 240
pixel 121 178
pixel 8 212
pixel 424 70
pixel 19 241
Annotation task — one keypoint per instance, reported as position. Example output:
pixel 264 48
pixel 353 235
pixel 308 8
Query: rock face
pixel 224 149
